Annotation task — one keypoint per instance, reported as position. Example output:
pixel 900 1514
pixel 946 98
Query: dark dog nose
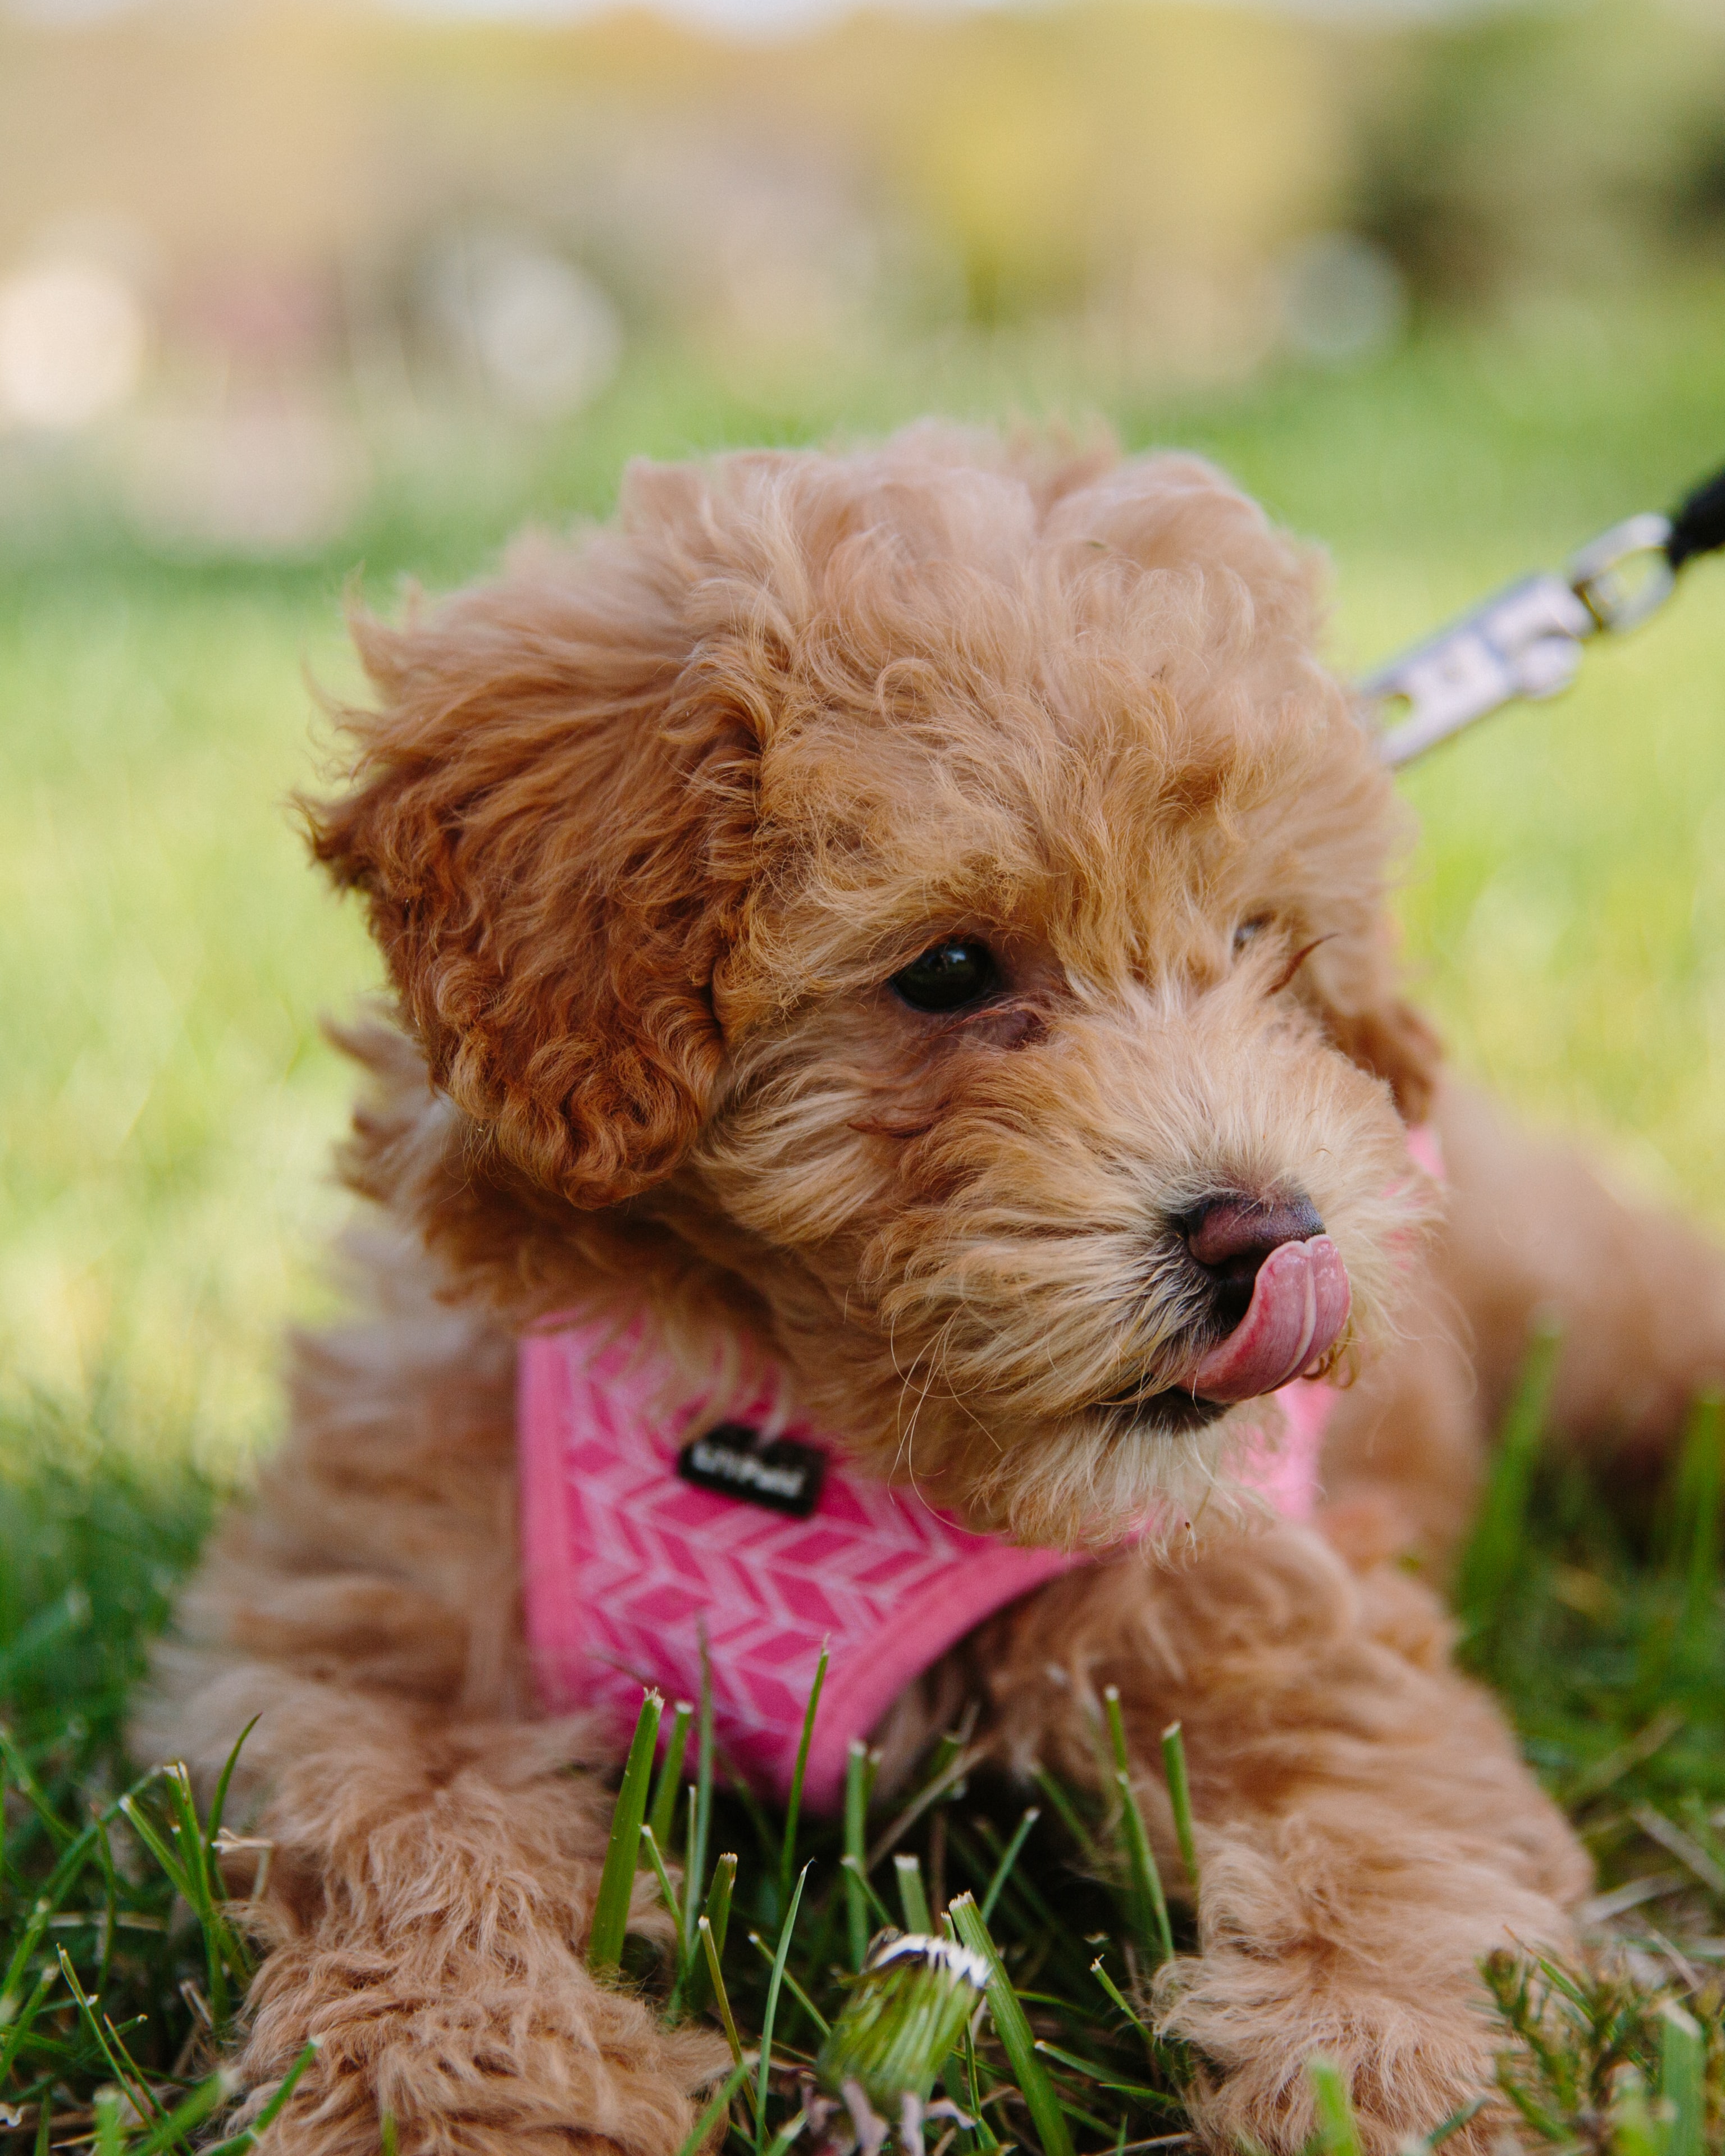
pixel 1229 1236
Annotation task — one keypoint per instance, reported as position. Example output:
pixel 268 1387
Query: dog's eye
pixel 947 977
pixel 1248 929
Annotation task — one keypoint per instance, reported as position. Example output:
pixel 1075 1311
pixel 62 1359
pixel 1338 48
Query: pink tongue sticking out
pixel 1300 1304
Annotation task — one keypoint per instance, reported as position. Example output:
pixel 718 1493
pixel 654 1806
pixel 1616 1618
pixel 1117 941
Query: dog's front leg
pixel 1366 1831
pixel 434 1849
pixel 435 1889
pixel 428 1899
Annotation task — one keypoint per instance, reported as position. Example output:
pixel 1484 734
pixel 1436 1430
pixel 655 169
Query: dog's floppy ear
pixel 1393 1041
pixel 1351 982
pixel 553 829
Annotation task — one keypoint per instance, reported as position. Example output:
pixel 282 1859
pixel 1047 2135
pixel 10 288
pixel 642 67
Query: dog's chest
pixel 653 1538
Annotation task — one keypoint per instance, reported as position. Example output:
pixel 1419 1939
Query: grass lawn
pixel 167 1107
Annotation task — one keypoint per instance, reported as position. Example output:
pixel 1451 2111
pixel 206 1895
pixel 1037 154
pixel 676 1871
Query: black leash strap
pixel 1526 641
pixel 1698 527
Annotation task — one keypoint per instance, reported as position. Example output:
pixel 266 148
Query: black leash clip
pixel 1526 641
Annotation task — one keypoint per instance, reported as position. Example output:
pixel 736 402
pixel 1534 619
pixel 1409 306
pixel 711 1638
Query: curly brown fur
pixel 645 827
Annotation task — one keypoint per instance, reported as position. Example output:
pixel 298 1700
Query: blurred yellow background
pixel 287 289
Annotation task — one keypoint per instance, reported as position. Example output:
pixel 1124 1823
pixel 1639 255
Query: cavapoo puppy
pixel 899 1127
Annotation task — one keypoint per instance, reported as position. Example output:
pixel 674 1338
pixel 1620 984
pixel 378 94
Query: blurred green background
pixel 289 290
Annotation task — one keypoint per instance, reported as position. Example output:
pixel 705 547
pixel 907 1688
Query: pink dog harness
pixel 640 1527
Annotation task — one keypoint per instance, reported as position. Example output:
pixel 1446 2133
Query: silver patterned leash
pixel 1526 641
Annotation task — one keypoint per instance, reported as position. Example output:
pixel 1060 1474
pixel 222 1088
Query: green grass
pixel 167 1106
pixel 118 1968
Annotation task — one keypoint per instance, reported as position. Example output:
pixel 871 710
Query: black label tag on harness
pixel 729 1458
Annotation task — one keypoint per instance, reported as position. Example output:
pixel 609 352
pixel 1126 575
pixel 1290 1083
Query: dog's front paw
pixel 1406 2071
pixel 499 2070
pixel 1401 2011
pixel 1353 1927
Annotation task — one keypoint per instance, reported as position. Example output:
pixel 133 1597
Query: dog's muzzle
pixel 1278 1289
pixel 1300 1302
pixel 1276 1280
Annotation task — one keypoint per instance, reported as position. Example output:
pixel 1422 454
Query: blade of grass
pixel 1179 1797
pixel 1014 2031
pixel 793 1802
pixel 108 2042
pixel 222 1949
pixel 187 1832
pixel 718 1900
pixel 950 1745
pixel 1594 1778
pixel 1701 1482
pixel 770 2012
pixel 1120 1999
pixel 1003 1869
pixel 70 1863
pixel 610 1912
pixel 1084 2117
pixel 1494 1555
pixel 110 1904
pixel 1688 1850
pixel 1561 1982
pixel 914 1902
pixel 946 1782
pixel 141 1826
pixel 766 1834
pixel 715 2111
pixel 186 2116
pixel 67 1868
pixel 662 1812
pixel 1019 1888
pixel 668 1893
pixel 856 1876
pixel 796 1991
pixel 912 1898
pixel 13 2037
pixel 1058 2003
pixel 787 2134
pixel 218 1802
pixel 249 2136
pixel 853 1871
pixel 31 1789
pixel 1338 2130
pixel 1155 1933
pixel 45 1630
pixel 106 2108
pixel 716 1918
pixel 688 1967
pixel 31 1938
pixel 1682 2079
pixel 1068 1815
pixel 1102 2079
pixel 1457 2120
pixel 722 1997
pixel 700 1809
pixel 1098 2073
pixel 1088 2067
pixel 986 2138
pixel 1633 2132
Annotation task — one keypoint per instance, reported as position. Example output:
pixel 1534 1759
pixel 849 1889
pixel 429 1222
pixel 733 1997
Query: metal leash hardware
pixel 1525 640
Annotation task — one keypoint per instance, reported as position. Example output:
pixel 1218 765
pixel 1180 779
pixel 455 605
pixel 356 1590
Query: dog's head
pixel 927 906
